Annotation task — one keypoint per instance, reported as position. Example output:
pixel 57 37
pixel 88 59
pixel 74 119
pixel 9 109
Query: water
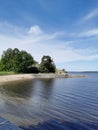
pixel 72 102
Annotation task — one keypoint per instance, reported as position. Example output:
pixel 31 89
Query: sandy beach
pixel 9 78
pixel 15 77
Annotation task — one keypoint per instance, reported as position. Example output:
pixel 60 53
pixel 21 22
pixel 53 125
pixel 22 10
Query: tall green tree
pixel 18 61
pixel 23 62
pixel 47 65
pixel 6 60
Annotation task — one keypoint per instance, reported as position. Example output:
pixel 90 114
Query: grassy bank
pixel 6 73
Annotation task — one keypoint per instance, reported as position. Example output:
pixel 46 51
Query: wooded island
pixel 14 60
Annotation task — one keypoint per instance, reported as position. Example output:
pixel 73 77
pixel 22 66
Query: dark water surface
pixel 73 102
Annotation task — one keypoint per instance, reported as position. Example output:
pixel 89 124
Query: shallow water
pixel 67 100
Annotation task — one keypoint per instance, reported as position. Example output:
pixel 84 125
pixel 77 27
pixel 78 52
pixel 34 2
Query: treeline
pixel 23 62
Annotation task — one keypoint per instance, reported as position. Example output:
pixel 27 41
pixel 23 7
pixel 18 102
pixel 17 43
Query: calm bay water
pixel 71 101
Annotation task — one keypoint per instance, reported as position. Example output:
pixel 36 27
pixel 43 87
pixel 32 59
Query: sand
pixel 8 78
pixel 15 77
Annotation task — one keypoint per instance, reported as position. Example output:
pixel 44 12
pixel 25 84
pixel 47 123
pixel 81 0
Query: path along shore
pixel 15 77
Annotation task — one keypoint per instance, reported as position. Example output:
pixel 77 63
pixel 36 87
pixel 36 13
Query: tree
pixel 47 65
pixel 6 60
pixel 15 51
pixel 23 62
pixel 17 61
pixel 1 66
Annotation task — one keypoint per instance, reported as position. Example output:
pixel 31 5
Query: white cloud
pixel 35 30
pixel 89 33
pixel 42 43
pixel 90 15
pixel 7 29
pixel 86 33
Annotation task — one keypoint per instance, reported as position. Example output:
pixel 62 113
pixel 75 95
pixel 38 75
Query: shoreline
pixel 16 77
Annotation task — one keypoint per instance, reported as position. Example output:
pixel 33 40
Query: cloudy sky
pixel 67 30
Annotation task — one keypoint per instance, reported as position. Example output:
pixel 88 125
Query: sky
pixel 67 30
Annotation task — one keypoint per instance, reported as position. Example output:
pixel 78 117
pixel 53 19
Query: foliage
pixel 22 62
pixel 15 60
pixel 6 73
pixel 47 65
pixel 6 60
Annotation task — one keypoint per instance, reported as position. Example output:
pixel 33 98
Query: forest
pixel 20 61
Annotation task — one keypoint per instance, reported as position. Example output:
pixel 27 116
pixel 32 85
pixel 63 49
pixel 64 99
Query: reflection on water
pixel 40 100
pixel 21 100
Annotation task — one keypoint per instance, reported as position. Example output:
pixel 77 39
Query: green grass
pixel 6 73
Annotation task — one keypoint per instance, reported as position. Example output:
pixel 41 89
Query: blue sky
pixel 67 30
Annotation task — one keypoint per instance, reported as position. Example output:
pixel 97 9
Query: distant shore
pixel 15 77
